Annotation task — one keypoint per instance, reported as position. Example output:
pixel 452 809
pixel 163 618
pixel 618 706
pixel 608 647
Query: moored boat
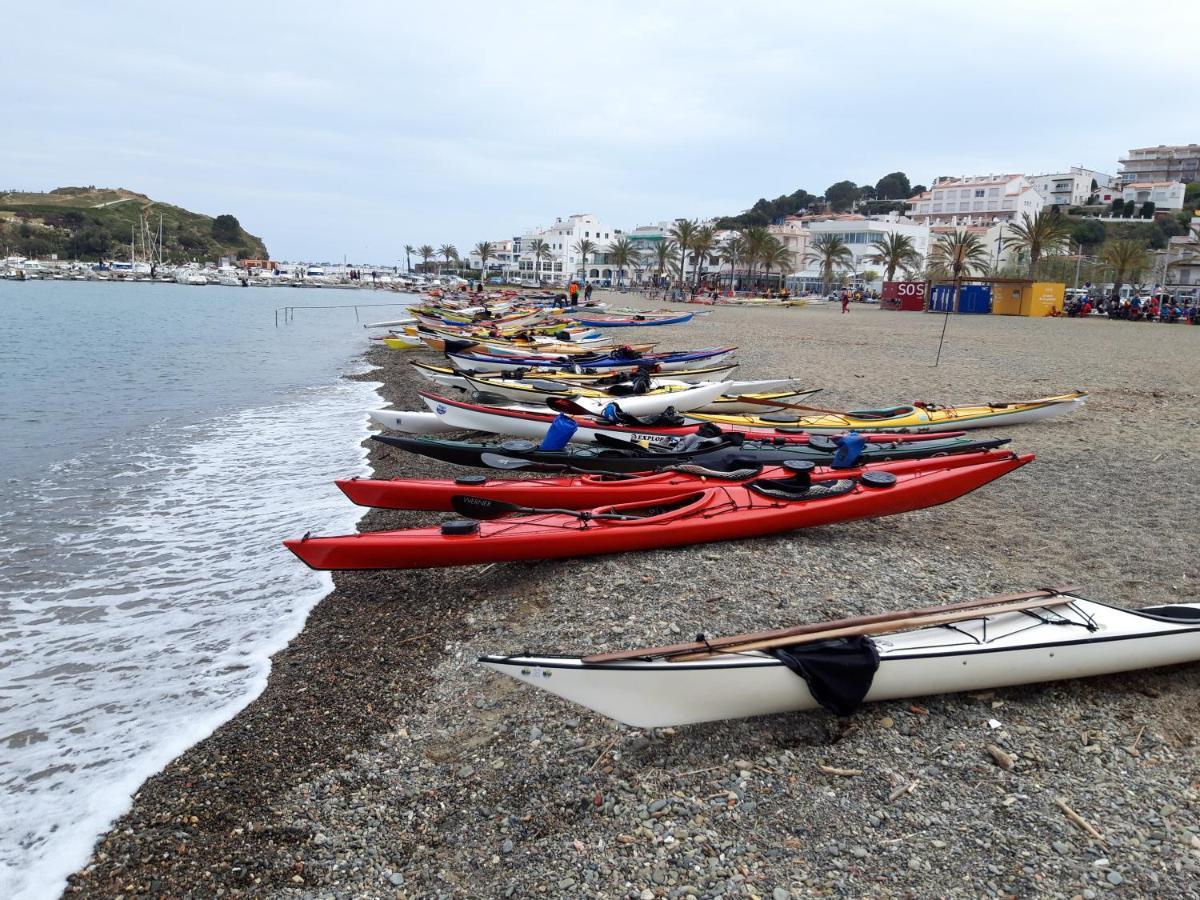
pixel 719 513
pixel 999 642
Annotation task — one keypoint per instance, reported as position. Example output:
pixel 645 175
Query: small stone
pixel 1089 894
pixel 743 764
pixel 860 852
pixel 319 839
pixel 647 894
pixel 466 772
pixel 657 805
pixel 397 879
pixel 1061 847
pixel 887 722
pixel 506 847
pixel 1114 877
pixel 780 894
pixel 535 733
pixel 914 864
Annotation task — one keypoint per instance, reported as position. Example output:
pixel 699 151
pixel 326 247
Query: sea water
pixel 157 442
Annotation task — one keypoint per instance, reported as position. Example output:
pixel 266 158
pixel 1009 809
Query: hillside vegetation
pixel 89 223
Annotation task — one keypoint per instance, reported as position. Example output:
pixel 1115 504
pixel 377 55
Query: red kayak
pixel 723 512
pixel 590 491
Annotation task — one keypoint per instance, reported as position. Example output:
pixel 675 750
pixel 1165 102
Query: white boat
pixel 393 323
pixel 502 365
pixel 1066 637
pixel 410 422
pixel 681 395
pixel 446 375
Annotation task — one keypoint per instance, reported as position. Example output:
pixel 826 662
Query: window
pixel 964 206
pixel 993 192
pixel 979 193
pixel 993 204
pixel 937 207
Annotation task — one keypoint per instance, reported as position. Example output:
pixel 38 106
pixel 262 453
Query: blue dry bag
pixel 850 448
pixel 559 433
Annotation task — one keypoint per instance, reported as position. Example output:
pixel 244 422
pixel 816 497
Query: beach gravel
pixel 381 761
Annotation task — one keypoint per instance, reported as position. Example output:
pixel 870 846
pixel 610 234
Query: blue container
pixel 850 448
pixel 559 433
pixel 976 299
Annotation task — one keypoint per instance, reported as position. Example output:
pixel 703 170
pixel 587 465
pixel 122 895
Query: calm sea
pixel 156 444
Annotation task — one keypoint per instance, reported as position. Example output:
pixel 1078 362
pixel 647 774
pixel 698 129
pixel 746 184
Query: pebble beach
pixel 382 761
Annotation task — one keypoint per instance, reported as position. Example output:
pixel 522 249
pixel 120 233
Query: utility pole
pixel 1078 260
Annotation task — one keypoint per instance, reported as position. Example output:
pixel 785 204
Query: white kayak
pixel 410 422
pixel 447 375
pixel 680 395
pixel 392 323
pixel 674 366
pixel 1067 637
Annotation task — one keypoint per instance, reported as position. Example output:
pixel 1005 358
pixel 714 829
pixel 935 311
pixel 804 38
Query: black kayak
pixel 726 453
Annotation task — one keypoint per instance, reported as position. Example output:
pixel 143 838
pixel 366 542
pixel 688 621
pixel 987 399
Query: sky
pixel 349 129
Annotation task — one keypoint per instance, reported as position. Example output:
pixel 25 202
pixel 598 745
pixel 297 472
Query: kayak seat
pixel 881 413
pixel 1175 613
pixel 789 489
pixel 732 475
pixel 781 417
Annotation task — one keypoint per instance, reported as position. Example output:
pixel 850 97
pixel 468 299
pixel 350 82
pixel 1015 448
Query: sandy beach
pixel 382 761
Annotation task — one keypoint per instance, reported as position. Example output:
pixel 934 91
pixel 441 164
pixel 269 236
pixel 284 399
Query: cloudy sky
pixel 352 128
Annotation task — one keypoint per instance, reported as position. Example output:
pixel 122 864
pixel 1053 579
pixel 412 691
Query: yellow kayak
pixel 399 343
pixel 913 417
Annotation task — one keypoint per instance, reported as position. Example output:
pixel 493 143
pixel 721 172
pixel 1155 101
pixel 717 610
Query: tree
pixel 408 252
pixel 664 251
pixel 447 252
pixel 756 240
pixel 918 189
pixel 1089 232
pixel 226 229
pixel 893 186
pixel 1126 258
pixel 959 254
pixel 484 251
pixel 1043 234
pixel 683 233
pixel 732 251
pixel 539 248
pixel 584 248
pixel 830 253
pixel 894 251
pixel 1148 209
pixel 841 196
pixel 426 253
pixel 1118 207
pixel 703 242
pixel 621 254
pixel 776 255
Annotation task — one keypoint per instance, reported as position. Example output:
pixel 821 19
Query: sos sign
pixel 908 295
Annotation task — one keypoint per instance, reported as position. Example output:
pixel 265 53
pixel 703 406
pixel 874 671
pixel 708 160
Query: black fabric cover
pixel 838 672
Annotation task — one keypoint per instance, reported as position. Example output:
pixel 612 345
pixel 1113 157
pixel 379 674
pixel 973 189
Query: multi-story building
pixel 562 260
pixel 1180 162
pixel 857 232
pixel 977 200
pixel 1163 194
pixel 1181 266
pixel 1075 188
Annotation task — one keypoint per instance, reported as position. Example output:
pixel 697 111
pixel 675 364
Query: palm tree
pixel 484 251
pixel 539 249
pixel 664 251
pixel 408 252
pixel 733 251
pixel 703 243
pixel 1125 258
pixel 584 248
pixel 447 252
pixel 755 240
pixel 894 251
pixel 1041 235
pixel 426 253
pixel 959 254
pixel 831 252
pixel 776 255
pixel 683 234
pixel 622 253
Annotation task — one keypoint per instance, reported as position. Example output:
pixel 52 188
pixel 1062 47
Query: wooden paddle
pixel 878 628
pixel 780 404
pixel 721 643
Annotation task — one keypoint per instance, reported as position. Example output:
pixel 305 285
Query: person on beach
pixel 845 302
pixel 587 293
pixel 573 293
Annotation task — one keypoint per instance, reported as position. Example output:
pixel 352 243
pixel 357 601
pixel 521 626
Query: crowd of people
pixel 1155 308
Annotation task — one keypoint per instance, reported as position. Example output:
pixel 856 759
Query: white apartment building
pixel 562 261
pixel 977 200
pixel 1075 187
pixel 1178 162
pixel 1163 194
pixel 503 261
pixel 859 233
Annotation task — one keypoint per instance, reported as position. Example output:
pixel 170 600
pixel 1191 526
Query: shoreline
pixel 380 761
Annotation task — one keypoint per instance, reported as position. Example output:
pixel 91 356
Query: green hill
pixel 89 223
